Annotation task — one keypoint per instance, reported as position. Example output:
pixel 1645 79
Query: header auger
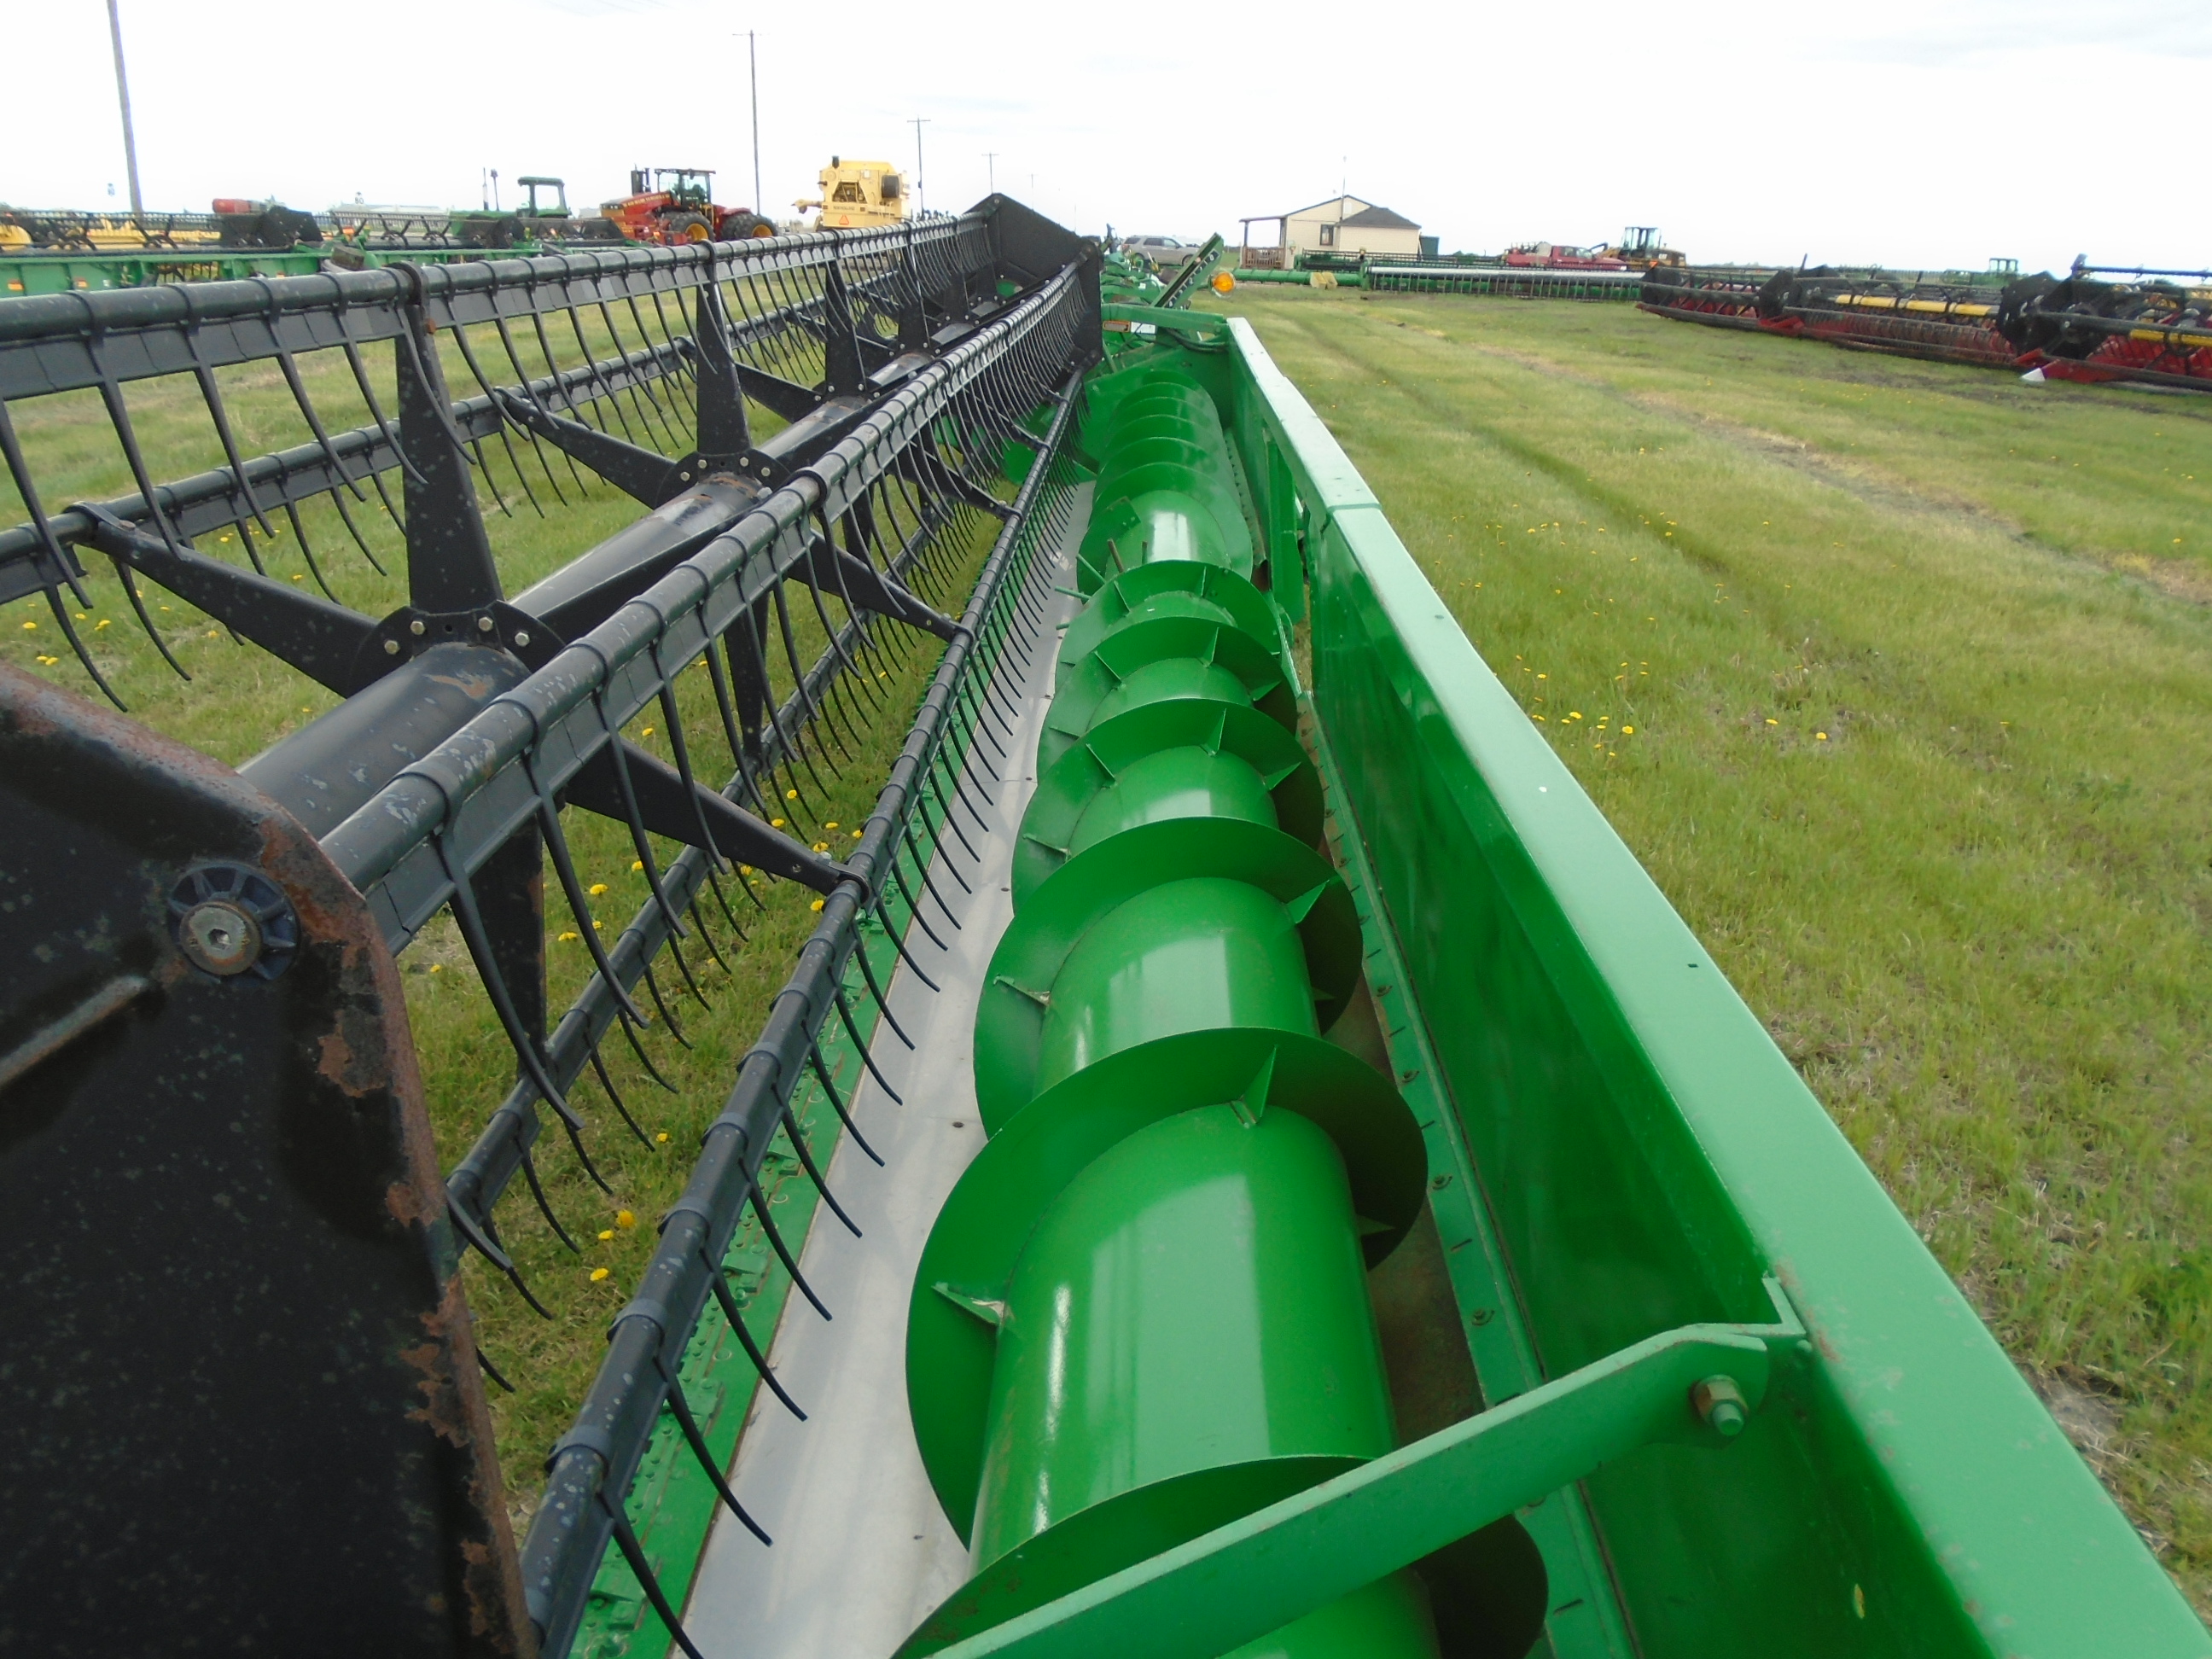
pixel 1226 1155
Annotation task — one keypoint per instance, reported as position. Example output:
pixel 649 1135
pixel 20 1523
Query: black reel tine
pixel 633 1553
pixel 735 1316
pixel 680 1407
pixel 853 1030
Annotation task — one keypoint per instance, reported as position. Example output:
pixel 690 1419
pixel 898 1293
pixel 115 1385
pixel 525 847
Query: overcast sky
pixel 1937 135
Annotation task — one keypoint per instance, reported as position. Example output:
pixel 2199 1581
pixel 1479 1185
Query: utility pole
pixel 921 190
pixel 991 171
pixel 752 61
pixel 123 97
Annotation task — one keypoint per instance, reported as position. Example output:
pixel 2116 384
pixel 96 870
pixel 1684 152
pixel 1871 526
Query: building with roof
pixel 1347 225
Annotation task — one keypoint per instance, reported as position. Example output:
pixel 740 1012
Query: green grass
pixel 1898 677
pixel 240 700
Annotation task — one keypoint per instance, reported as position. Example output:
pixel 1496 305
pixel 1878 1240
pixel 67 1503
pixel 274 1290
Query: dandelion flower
pixel 1822 735
pixel 777 823
pixel 831 824
pixel 816 905
pixel 606 1233
pixel 624 1218
pixel 637 864
pixel 662 1138
pixel 856 834
pixel 1770 721
pixel 596 889
pixel 103 622
pixel 647 732
pixel 597 1273
pixel 30 628
pixel 791 794
pixel 599 926
pixel 437 967
pixel 565 937
pixel 1627 731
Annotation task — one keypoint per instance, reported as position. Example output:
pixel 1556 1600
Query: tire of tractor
pixel 741 226
pixel 686 228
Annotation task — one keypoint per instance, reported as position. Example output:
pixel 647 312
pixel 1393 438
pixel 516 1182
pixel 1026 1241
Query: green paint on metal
pixel 1200 1599
pixel 1583 1619
pixel 1193 1298
pixel 1185 758
pixel 1182 986
pixel 1184 1183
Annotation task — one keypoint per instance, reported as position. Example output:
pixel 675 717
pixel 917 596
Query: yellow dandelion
pixel 777 822
pixel 624 1218
pixel 1822 735
pixel 647 732
pixel 1627 731
pixel 599 926
pixel 606 1233
pixel 596 889
pixel 662 1137
pixel 296 579
pixel 637 864
pixel 816 905
pixel 30 628
pixel 1770 721
pixel 597 1273
pixel 47 660
pixel 791 794
pixel 831 824
pixel 437 967
pixel 103 622
pixel 745 869
pixel 856 834
pixel 565 937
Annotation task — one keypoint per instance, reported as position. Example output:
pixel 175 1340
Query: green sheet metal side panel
pixel 1647 1153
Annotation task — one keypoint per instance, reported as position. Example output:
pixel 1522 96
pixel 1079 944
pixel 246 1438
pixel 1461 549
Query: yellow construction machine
pixel 856 195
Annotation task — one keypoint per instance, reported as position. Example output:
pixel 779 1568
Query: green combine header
pixel 1241 1162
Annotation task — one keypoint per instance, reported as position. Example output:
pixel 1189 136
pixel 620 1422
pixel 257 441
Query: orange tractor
pixel 677 204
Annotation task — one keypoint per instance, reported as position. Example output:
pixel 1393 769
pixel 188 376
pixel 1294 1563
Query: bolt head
pixel 1720 1405
pixel 521 637
pixel 484 624
pixel 392 648
pixel 416 626
pixel 221 937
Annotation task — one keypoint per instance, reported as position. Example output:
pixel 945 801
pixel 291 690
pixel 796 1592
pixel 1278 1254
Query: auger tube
pixel 1144 1310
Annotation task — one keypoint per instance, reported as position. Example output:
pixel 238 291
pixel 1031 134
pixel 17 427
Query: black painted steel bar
pixel 591 1469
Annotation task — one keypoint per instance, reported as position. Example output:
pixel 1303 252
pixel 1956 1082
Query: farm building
pixel 1342 224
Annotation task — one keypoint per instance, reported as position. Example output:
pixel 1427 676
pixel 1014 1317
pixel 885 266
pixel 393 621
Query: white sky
pixel 1935 135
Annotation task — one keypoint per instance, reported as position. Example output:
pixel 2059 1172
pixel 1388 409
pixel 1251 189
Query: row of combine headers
pixel 2094 323
pixel 1243 1163
pixel 71 250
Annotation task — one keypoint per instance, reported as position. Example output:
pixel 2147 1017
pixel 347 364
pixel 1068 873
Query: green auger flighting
pixel 1144 1311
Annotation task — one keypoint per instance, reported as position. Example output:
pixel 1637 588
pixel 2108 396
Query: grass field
pixel 1897 677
